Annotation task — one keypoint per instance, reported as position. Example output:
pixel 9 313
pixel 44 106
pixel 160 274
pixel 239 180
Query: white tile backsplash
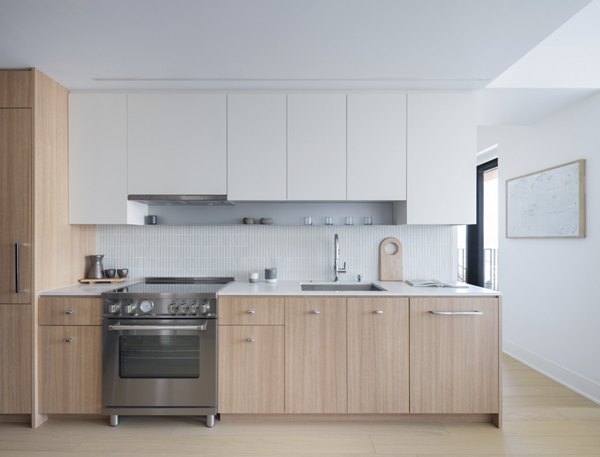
pixel 299 252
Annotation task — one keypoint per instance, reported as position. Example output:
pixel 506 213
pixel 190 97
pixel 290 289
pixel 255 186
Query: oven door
pixel 159 363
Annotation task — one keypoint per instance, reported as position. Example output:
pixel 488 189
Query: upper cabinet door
pixel 377 146
pixel 177 144
pixel 441 185
pixel 98 161
pixel 317 147
pixel 256 133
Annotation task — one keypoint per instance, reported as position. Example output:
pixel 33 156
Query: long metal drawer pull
pixel 17 268
pixel 119 327
pixel 456 313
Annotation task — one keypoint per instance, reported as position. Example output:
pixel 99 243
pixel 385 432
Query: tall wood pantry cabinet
pixel 38 248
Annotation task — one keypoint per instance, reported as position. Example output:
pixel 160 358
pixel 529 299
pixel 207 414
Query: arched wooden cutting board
pixel 390 264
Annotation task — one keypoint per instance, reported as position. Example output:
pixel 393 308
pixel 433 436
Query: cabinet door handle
pixel 315 311
pixel 69 340
pixel 456 313
pixel 250 340
pixel 378 311
pixel 68 312
pixel 17 268
pixel 251 311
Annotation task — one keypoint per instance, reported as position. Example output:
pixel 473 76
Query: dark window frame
pixel 475 273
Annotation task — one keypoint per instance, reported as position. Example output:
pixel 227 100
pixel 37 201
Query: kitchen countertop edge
pixel 290 288
pixel 392 289
pixel 88 290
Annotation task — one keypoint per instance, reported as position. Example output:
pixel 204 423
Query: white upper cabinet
pixel 98 161
pixel 441 184
pixel 177 144
pixel 256 133
pixel 316 146
pixel 377 146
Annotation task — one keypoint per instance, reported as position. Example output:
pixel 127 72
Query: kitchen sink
pixel 342 287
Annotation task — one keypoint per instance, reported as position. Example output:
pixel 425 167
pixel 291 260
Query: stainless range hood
pixel 208 200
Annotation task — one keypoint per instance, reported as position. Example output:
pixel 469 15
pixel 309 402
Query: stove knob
pixel 194 308
pixel 173 308
pixel 146 306
pixel 114 308
pixel 130 309
pixel 184 308
pixel 205 308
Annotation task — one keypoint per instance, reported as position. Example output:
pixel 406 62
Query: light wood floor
pixel 542 418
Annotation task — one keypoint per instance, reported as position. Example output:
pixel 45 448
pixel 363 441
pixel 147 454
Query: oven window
pixel 159 356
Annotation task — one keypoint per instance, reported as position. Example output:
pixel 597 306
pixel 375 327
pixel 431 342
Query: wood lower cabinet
pixel 378 349
pixel 70 355
pixel 360 355
pixel 454 357
pixel 315 355
pixel 71 369
pixel 251 374
pixel 15 359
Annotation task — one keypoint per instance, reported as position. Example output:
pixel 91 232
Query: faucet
pixel 336 258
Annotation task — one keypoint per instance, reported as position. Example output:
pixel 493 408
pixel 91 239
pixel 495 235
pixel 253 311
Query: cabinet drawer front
pixel 251 371
pixel 454 355
pixel 70 311
pixel 251 311
pixel 70 369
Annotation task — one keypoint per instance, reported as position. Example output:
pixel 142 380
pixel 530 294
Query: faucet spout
pixel 336 259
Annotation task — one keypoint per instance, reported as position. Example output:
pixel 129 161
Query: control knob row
pixel 185 308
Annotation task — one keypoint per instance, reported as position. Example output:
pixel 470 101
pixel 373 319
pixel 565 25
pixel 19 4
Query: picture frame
pixel 548 203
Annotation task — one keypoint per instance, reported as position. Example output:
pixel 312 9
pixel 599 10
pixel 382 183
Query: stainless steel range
pixel 160 348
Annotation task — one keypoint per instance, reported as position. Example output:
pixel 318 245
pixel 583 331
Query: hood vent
pixel 207 200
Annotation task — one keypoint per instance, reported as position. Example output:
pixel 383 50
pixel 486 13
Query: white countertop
pixel 393 288
pixel 89 290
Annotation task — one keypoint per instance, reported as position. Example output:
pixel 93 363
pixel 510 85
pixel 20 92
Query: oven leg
pixel 210 420
pixel 114 420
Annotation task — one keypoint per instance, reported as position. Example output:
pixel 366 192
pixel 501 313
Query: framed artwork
pixel 549 203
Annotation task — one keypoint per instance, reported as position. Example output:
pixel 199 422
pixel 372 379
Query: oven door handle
pixel 120 327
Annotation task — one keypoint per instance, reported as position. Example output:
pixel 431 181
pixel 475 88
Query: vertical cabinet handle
pixel 69 340
pixel 17 268
pixel 315 311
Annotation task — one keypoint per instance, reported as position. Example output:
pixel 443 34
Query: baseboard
pixel 568 378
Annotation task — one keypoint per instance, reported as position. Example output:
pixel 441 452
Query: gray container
pixel 96 269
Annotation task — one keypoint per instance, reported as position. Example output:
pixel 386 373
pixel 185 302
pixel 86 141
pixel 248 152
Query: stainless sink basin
pixel 341 287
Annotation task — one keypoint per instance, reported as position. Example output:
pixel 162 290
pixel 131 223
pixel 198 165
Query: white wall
pixel 550 286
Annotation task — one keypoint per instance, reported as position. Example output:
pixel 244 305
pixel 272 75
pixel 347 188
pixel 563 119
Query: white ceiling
pixel 125 44
pixel 568 58
pixel 563 69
